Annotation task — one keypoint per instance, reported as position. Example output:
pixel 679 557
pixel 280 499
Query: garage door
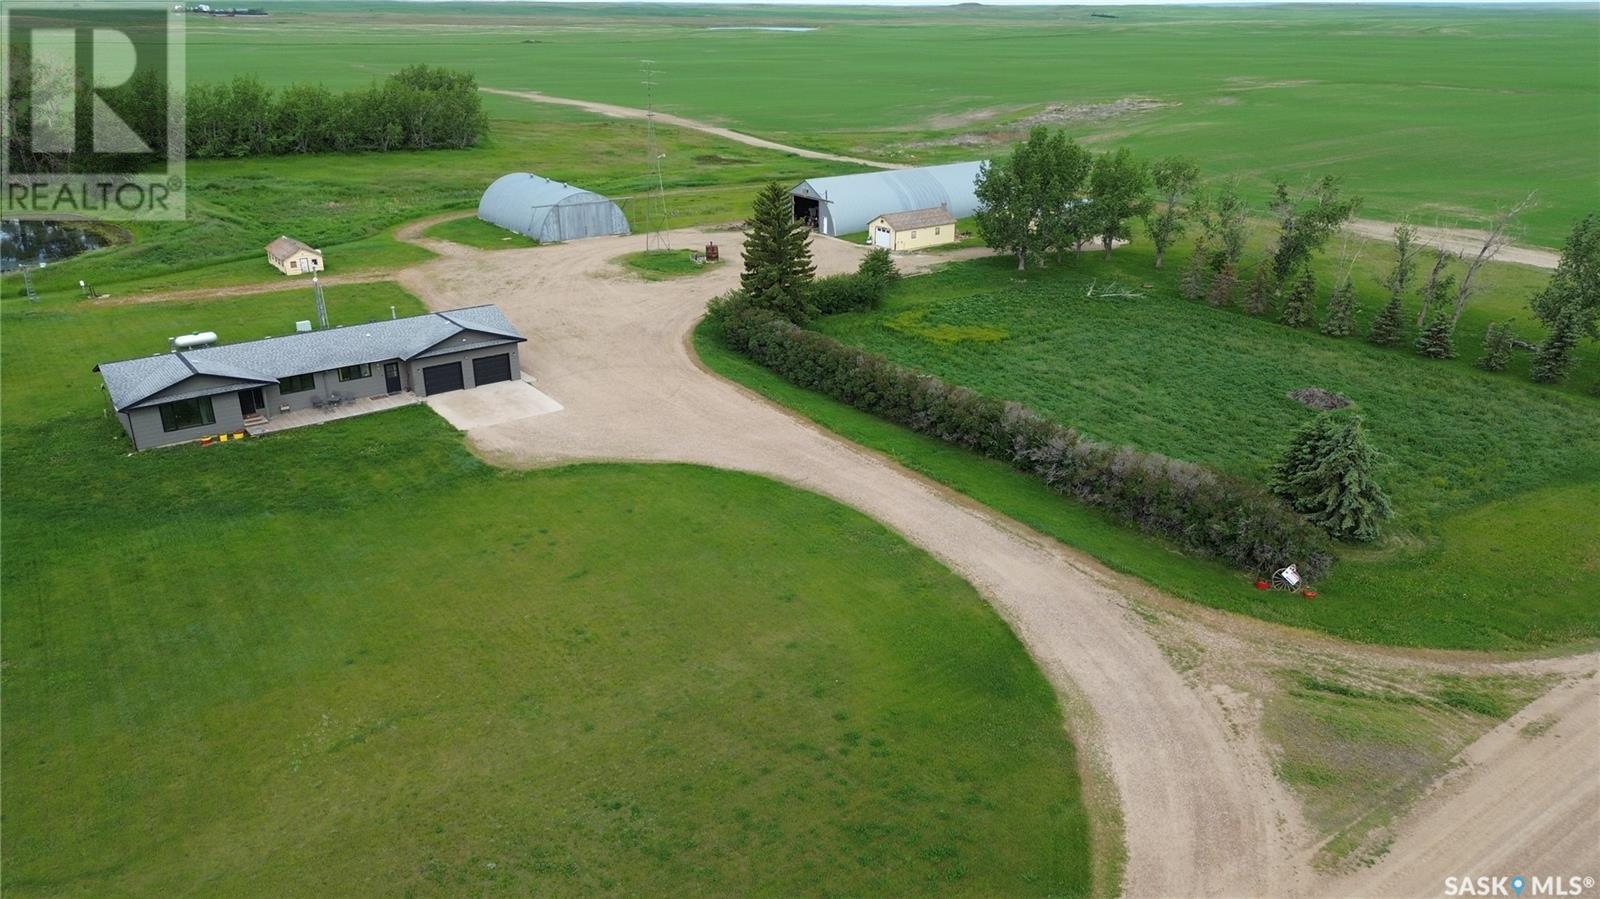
pixel 441 378
pixel 489 369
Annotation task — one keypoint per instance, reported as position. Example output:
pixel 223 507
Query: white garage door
pixel 883 237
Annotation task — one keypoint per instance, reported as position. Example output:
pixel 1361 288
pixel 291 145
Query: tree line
pixel 418 108
pixel 1051 197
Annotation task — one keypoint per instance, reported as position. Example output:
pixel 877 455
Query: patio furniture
pixel 317 402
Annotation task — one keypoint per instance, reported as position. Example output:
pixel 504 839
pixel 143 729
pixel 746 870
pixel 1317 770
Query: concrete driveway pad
pixel 491 405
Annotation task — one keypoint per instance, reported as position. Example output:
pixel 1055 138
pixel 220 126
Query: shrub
pixel 1327 476
pixel 1221 292
pixel 1388 329
pixel 1258 299
pixel 859 291
pixel 1497 346
pixel 1341 309
pixel 1553 361
pixel 1195 507
pixel 1299 310
pixel 1436 340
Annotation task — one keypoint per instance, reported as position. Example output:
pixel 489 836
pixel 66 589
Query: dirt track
pixel 1203 813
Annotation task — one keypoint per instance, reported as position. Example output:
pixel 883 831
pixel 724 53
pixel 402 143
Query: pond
pixel 29 242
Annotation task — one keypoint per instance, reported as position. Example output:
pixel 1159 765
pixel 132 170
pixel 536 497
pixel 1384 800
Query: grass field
pixel 1491 545
pixel 353 658
pixel 657 265
pixel 475 232
pixel 1442 114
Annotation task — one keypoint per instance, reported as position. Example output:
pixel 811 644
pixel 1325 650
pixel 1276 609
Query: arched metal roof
pixel 849 202
pixel 549 211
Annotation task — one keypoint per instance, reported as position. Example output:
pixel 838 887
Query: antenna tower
pixel 322 308
pixel 655 213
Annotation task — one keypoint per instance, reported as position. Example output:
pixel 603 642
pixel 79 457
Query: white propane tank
pixel 190 341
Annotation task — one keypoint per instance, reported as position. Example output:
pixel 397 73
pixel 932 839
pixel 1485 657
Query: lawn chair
pixel 318 404
pixel 1288 579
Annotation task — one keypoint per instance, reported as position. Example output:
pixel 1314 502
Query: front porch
pixel 297 418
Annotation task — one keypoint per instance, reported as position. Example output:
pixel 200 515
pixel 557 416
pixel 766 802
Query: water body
pixel 28 242
pixel 761 28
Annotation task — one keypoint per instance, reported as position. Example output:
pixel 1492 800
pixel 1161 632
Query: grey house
pixel 188 394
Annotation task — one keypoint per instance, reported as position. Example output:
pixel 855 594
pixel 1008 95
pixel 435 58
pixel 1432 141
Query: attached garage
pixel 442 378
pixel 491 369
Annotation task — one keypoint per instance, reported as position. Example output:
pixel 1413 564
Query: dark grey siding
pixel 416 366
pixel 144 425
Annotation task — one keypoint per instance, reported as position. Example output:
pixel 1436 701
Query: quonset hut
pixel 549 211
pixel 845 204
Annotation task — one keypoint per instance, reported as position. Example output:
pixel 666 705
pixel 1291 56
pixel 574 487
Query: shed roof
pixel 918 218
pixel 286 246
pixel 526 203
pixel 850 202
pixel 133 381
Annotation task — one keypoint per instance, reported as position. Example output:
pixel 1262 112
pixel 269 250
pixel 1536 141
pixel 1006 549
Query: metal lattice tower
pixel 322 308
pixel 655 205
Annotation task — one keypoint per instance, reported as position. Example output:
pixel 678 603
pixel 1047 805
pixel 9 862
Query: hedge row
pixel 1195 507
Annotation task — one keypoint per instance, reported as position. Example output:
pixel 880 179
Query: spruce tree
pixel 1436 339
pixel 1554 360
pixel 1327 476
pixel 1300 308
pixel 1388 329
pixel 1497 346
pixel 1192 283
pixel 777 256
pixel 1341 309
pixel 1258 299
pixel 1221 292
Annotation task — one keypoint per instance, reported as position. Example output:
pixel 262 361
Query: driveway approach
pixel 1203 813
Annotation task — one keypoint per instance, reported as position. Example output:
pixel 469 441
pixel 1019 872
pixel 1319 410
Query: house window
pixel 187 414
pixel 913 235
pixel 936 231
pixel 297 383
pixel 355 372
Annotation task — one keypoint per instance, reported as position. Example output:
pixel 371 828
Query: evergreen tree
pixel 1299 310
pixel 1222 287
pixel 1327 476
pixel 1497 346
pixel 1192 283
pixel 1436 339
pixel 1574 288
pixel 777 256
pixel 1258 299
pixel 878 267
pixel 1341 309
pixel 1388 329
pixel 1553 362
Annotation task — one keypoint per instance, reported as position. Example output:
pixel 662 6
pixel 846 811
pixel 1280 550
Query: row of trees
pixel 418 108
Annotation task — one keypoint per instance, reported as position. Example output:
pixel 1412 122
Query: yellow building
pixel 292 257
pixel 903 232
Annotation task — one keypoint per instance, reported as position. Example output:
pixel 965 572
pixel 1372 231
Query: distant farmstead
pixel 847 204
pixel 292 257
pixel 902 232
pixel 549 211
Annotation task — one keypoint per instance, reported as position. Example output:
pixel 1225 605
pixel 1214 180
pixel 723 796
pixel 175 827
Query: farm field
pixel 1490 541
pixel 309 648
pixel 1439 114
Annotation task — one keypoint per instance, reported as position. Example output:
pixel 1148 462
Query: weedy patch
pixel 913 323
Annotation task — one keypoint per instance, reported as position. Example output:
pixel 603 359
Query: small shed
pixel 549 211
pixel 292 257
pixel 902 232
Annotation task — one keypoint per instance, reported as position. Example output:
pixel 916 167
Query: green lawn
pixel 1441 113
pixel 353 658
pixel 1493 541
pixel 658 265
pixel 475 232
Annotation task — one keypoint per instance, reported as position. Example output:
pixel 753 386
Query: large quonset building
pixel 845 204
pixel 549 211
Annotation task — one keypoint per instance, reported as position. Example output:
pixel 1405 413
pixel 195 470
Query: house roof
pixel 918 218
pixel 131 382
pixel 286 246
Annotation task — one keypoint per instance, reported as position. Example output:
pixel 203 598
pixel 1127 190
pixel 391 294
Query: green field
pixel 1440 113
pixel 1491 543
pixel 475 232
pixel 353 658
